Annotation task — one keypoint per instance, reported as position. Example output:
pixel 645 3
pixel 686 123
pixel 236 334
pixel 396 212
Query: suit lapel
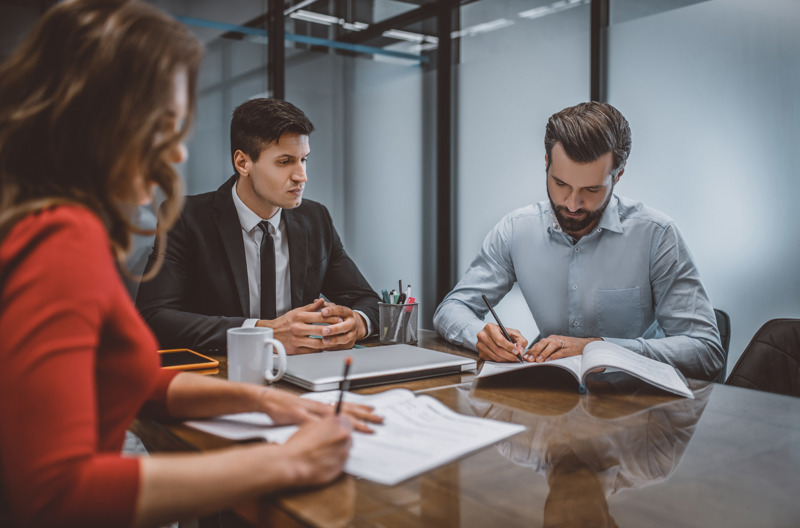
pixel 298 238
pixel 230 230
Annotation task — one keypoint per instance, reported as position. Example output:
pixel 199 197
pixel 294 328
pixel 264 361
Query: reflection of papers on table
pixel 419 434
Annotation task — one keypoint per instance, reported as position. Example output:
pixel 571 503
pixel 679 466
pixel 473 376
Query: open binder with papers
pixel 604 355
pixel 419 434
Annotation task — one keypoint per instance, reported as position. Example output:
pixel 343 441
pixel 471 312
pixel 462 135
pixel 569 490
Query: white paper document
pixel 604 355
pixel 419 433
pixel 492 368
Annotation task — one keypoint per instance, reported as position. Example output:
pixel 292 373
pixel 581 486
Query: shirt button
pixel 577 249
pixel 575 323
pixel 574 286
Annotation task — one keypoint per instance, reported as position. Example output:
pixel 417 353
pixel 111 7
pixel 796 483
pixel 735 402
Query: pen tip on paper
pixel 348 360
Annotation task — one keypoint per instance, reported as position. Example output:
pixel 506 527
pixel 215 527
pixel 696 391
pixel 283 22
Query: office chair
pixel 771 362
pixel 724 326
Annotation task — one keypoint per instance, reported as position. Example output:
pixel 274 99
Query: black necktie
pixel 267 273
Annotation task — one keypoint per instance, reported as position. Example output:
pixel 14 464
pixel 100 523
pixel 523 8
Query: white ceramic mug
pixel 250 356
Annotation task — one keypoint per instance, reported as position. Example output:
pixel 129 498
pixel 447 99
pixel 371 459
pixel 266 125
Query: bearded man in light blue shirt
pixel 591 265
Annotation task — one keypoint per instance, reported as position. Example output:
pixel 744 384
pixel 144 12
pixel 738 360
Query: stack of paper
pixel 419 433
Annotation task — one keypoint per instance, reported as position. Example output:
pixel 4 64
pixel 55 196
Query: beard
pixel 576 225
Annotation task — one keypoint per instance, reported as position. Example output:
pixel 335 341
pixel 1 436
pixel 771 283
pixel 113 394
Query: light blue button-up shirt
pixel 631 281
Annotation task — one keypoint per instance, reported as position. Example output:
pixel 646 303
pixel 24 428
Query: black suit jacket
pixel 201 290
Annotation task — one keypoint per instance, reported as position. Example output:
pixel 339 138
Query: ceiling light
pixel 300 5
pixel 555 7
pixel 319 18
pixel 482 28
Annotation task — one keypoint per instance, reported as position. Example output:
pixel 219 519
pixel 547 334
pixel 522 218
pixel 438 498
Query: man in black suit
pixel 257 225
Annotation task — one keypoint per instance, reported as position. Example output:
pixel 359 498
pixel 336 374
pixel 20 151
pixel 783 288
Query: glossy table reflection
pixel 623 454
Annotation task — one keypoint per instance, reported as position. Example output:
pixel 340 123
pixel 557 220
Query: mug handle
pixel 268 375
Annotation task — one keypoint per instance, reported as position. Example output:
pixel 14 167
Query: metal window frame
pixel 599 50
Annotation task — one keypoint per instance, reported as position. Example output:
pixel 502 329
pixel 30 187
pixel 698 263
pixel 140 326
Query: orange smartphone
pixel 185 359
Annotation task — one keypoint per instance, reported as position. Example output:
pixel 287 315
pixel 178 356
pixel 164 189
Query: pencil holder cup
pixel 399 323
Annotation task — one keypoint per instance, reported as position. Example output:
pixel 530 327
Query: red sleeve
pixel 156 405
pixel 55 268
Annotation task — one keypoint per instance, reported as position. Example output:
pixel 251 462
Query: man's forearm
pixel 458 324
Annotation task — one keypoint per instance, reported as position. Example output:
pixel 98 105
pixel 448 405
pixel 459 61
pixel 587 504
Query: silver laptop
pixel 372 366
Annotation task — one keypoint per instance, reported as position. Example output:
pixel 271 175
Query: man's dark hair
pixel 258 122
pixel 587 131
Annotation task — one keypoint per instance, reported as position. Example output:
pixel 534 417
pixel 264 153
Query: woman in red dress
pixel 94 108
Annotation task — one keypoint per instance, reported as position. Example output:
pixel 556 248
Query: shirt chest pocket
pixel 618 313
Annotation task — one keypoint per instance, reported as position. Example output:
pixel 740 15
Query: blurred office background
pixel 430 117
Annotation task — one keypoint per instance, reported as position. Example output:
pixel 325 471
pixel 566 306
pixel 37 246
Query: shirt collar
pixel 608 221
pixel 248 219
pixel 554 225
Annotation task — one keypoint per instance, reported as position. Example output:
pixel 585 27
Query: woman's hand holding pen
pixel 317 452
pixel 286 408
pixel 493 345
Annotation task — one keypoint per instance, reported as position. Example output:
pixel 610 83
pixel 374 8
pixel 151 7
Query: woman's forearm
pixel 174 487
pixel 180 486
pixel 196 396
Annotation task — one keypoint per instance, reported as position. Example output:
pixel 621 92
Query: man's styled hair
pixel 82 107
pixel 587 131
pixel 258 122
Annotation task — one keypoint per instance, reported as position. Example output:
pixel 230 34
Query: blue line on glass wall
pixel 303 39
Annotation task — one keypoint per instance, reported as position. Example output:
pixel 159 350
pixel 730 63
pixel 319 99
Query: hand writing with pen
pixel 496 343
pixel 493 346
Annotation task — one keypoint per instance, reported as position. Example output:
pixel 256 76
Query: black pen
pixel 345 382
pixel 503 328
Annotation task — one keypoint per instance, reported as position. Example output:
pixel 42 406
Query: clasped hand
pixel 293 329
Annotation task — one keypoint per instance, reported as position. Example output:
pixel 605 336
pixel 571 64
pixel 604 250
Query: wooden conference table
pixel 623 455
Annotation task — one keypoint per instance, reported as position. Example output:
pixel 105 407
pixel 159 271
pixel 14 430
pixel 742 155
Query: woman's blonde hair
pixel 82 101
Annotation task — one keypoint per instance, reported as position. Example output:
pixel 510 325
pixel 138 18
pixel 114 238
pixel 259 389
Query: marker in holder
pixel 399 323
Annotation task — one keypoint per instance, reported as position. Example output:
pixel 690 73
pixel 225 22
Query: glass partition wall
pixel 520 61
pixel 430 117
pixel 363 72
pixel 369 162
pixel 712 93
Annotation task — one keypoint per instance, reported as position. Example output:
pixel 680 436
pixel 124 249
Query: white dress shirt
pixel 252 237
